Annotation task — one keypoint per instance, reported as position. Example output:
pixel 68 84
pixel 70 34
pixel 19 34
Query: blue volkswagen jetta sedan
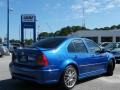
pixel 61 60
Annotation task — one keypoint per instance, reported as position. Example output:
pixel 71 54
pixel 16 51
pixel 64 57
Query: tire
pixel 110 68
pixel 13 78
pixel 69 77
pixel 1 56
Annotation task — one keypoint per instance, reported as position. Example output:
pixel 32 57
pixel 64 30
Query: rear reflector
pixel 42 60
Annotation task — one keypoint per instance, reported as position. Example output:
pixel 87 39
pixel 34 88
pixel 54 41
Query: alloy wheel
pixel 70 77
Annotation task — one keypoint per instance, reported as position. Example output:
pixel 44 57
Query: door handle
pixel 93 55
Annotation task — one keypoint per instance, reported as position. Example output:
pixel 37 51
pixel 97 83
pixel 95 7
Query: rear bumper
pixel 48 76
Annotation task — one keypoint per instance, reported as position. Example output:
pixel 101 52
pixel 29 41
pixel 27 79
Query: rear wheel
pixel 69 77
pixel 110 68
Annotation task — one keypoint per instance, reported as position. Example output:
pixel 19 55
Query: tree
pixel 62 32
pixel 51 34
pixel 118 27
pixel 71 29
pixel 77 28
pixel 28 41
pixel 96 29
pixel 43 35
pixel 57 33
pixel 106 28
pixel 114 27
pixel 65 31
pixel 14 41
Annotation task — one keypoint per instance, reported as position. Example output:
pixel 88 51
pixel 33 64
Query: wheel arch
pixel 74 67
pixel 111 57
pixel 113 60
pixel 67 63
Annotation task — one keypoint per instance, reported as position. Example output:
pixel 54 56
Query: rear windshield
pixel 49 43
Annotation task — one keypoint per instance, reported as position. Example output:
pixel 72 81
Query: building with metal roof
pixel 99 35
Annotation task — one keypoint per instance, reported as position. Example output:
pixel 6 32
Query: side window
pixel 77 46
pixel 92 46
pixel 71 47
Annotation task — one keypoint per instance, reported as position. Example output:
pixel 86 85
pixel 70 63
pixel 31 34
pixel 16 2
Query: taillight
pixel 42 60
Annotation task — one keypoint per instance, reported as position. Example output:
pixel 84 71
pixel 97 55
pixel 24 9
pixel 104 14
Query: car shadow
pixel 10 84
pixel 117 61
pixel 89 79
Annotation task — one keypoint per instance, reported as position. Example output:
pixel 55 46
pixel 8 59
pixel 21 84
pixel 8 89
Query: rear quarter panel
pixel 58 58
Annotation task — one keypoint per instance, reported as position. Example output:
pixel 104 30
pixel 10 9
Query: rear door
pixel 78 52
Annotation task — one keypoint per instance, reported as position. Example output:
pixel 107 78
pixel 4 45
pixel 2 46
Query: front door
pixel 98 60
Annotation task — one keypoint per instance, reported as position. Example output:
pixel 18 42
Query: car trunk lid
pixel 28 56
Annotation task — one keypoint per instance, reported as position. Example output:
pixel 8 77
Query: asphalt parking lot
pixel 94 83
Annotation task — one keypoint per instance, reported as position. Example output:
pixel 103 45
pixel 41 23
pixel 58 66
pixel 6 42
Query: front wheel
pixel 69 77
pixel 110 68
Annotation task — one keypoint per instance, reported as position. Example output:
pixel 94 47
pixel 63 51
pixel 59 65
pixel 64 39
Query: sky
pixel 52 15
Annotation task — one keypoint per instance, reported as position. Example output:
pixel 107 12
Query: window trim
pixel 88 46
pixel 75 48
pixel 41 45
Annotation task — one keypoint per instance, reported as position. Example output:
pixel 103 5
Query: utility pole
pixel 8 24
pixel 83 15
